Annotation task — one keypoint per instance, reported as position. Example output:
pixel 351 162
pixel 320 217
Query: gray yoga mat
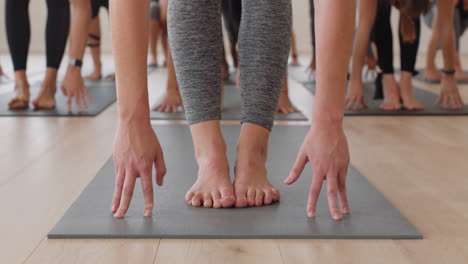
pixel 301 74
pixel 421 73
pixel 231 111
pixel 103 96
pixel 372 216
pixel 426 98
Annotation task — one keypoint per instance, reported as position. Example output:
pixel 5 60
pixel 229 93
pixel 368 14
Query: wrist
pixel 135 117
pixel 327 121
pixel 73 69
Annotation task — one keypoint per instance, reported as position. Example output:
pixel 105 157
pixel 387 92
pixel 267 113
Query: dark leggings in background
pixel 312 24
pixel 382 33
pixel 232 15
pixel 18 31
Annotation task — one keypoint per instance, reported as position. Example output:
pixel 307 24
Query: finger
pixel 446 101
pixel 69 103
pixel 83 102
pixel 167 109
pixel 77 103
pixel 127 193
pixel 357 105
pixel 160 168
pixel 83 97
pixel 314 192
pixel 332 194
pixel 174 109
pixel 348 103
pixel 119 182
pixel 147 187
pixel 158 108
pixel 86 93
pixel 460 102
pixel 342 195
pixel 363 102
pixel 439 99
pixel 297 169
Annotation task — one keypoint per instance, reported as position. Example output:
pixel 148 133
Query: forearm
pixel 81 18
pixel 334 30
pixel 445 13
pixel 130 28
pixel 367 10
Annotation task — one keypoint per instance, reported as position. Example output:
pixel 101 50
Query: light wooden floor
pixel 419 163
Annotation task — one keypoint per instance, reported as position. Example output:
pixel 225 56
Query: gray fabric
pixel 103 96
pixel 420 77
pixel 372 216
pixel 195 36
pixel 426 98
pixel 231 110
pixel 155 10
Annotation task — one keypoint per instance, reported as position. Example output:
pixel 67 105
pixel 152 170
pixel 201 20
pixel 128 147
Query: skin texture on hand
pixel 325 146
pixel 327 151
pixel 355 96
pixel 72 85
pixel 449 94
pixel 136 151
pixel 136 147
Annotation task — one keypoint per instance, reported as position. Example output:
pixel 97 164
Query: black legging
pixel 312 24
pixel 18 31
pixel 232 14
pixel 382 33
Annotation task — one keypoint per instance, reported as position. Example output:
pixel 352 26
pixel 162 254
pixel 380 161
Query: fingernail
pixel 336 216
pixel 147 213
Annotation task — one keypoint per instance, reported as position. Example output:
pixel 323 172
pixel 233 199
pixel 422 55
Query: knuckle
pixel 147 188
pixel 119 185
pixel 128 190
pixel 332 192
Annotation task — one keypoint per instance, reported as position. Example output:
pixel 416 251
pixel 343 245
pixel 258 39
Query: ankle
pixel 253 144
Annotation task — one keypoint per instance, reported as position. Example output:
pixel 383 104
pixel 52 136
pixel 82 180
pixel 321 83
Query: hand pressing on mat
pixel 449 94
pixel 73 87
pixel 355 96
pixel 136 151
pixel 326 148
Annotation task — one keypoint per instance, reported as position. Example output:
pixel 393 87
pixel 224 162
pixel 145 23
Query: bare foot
pixel 94 76
pixel 213 187
pixel 371 63
pixel 406 88
pixel 285 106
pixel 313 64
pixel 21 99
pixel 251 185
pixel 295 61
pixel 170 102
pixel 432 75
pixel 111 77
pixel 46 97
pixel 391 93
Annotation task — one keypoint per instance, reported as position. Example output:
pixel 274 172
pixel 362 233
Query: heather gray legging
pixel 195 37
